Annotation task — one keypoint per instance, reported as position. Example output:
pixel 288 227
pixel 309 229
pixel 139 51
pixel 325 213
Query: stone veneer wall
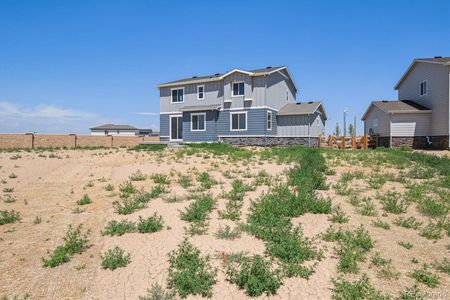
pixel 416 142
pixel 270 141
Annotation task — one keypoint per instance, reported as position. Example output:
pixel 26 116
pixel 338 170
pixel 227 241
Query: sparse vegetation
pixel 84 200
pixel 119 228
pixel 9 216
pixel 424 276
pixel 115 258
pixel 226 233
pixel 151 224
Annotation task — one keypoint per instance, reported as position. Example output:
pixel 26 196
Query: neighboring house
pixel 256 107
pixel 122 130
pixel 420 118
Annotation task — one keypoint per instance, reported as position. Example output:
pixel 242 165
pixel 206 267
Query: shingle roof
pixel 113 127
pixel 398 106
pixel 301 108
pixel 200 107
pixel 218 76
pixel 441 59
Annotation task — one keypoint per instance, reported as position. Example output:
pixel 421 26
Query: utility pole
pixel 354 127
pixel 345 122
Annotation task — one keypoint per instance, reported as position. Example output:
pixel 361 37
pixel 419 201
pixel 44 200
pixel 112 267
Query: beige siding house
pixel 420 118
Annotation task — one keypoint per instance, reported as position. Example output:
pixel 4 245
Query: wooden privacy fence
pixel 344 142
pixel 33 141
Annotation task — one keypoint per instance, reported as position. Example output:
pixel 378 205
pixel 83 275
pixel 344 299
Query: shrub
pixel 226 233
pixel 126 189
pixel 411 293
pixel 410 222
pixel 367 208
pixel 432 207
pixel 8 190
pixel 443 266
pixel 9 199
pixel 109 188
pixel 185 181
pixel 160 179
pixel 74 242
pixel 137 176
pixel 157 191
pixel 199 209
pixel 151 224
pixel 338 216
pixel 37 220
pixel 360 289
pixel 119 228
pixel 84 200
pixel 433 231
pixel 379 261
pixel 405 245
pixel 255 275
pixel 148 148
pixel 12 176
pixel 156 292
pixel 189 272
pixel 381 224
pixel 426 277
pixel 9 216
pixel 206 181
pixel 377 180
pixel 115 258
pixel 393 203
pixel 127 206
pixel 235 202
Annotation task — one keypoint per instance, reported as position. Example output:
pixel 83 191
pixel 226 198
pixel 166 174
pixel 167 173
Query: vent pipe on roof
pixel 438 57
pixel 269 67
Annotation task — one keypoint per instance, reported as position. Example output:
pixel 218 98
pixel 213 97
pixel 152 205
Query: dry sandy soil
pixel 49 188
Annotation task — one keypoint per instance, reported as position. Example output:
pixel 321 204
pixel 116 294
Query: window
pixel 287 96
pixel 200 92
pixel 375 122
pixel 269 120
pixel 318 121
pixel 238 121
pixel 424 88
pixel 178 95
pixel 238 89
pixel 198 122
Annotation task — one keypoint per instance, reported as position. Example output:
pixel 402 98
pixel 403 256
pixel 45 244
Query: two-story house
pixel 420 118
pixel 256 107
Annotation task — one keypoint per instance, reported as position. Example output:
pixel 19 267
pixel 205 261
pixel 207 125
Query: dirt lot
pixel 47 185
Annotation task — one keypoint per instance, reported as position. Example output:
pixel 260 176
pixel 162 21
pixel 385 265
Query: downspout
pixel 265 104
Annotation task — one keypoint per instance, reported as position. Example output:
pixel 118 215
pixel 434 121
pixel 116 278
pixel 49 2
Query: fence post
pixel 353 142
pixel 32 139
pixel 112 141
pixel 343 142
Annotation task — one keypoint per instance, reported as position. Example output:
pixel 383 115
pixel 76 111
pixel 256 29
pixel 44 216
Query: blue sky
pixel 68 65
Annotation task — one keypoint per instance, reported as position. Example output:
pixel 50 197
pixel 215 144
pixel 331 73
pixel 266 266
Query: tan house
pixel 420 118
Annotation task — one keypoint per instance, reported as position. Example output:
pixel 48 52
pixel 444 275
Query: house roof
pixel 113 127
pixel 433 60
pixel 200 107
pixel 301 108
pixel 220 76
pixel 397 107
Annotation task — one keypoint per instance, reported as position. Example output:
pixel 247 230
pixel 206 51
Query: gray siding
pixel 300 126
pixel 200 136
pixel 277 86
pixel 438 93
pixel 256 123
pixel 164 126
pixel 383 122
pixel 410 125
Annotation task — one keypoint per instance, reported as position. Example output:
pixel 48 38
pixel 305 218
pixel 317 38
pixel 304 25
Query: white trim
pixel 227 101
pixel 204 121
pixel 248 135
pixel 171 97
pixel 232 88
pixel 164 136
pixel 396 87
pixel 420 87
pixel 238 113
pixel 170 112
pixel 222 109
pixel 248 99
pixel 170 127
pixel 269 112
pixel 198 86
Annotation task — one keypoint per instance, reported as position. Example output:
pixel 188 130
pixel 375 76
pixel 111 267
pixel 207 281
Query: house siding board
pixel 277 86
pixel 164 120
pixel 299 125
pixel 200 136
pixel 407 125
pixel 437 98
pixel 256 123
pixel 237 101
pixel 383 128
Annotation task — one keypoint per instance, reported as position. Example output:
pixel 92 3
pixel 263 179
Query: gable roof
pixel 301 108
pixel 398 107
pixel 434 60
pixel 221 76
pixel 113 127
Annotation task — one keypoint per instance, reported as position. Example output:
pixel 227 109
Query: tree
pixel 351 130
pixel 337 131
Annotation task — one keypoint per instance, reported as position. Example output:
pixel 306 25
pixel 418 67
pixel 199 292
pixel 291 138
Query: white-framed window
pixel 238 89
pixel 198 122
pixel 287 96
pixel 177 95
pixel 269 120
pixel 318 121
pixel 238 121
pixel 200 92
pixel 423 89
pixel 375 122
